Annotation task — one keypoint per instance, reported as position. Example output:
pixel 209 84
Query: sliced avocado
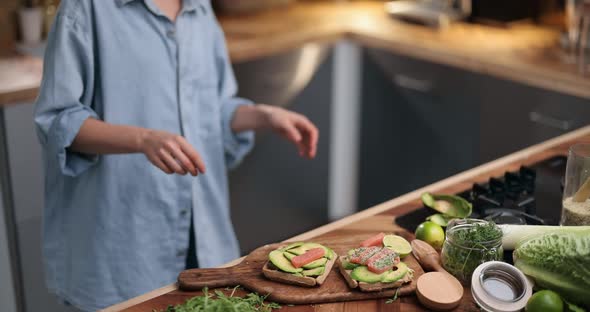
pixel 392 276
pixel 450 205
pixel 291 246
pixel 278 259
pixel 316 264
pixel 440 219
pixel 297 274
pixel 346 264
pixel 307 246
pixel 289 255
pixel 362 274
pixel 330 254
pixel 314 272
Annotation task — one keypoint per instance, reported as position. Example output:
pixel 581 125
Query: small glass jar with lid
pixel 469 243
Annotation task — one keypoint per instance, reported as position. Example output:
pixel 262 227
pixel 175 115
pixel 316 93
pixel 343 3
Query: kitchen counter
pixel 20 77
pixel 524 53
pixel 379 219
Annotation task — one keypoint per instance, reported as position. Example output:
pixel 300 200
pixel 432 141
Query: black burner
pixel 531 195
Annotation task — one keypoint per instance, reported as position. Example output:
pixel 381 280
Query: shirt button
pixel 171 33
pixel 181 253
pixel 183 212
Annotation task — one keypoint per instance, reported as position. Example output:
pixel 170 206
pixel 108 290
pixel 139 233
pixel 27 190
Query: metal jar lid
pixel 500 287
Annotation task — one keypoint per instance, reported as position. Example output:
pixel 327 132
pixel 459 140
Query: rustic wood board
pixel 248 274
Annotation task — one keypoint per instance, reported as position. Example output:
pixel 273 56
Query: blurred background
pixel 404 93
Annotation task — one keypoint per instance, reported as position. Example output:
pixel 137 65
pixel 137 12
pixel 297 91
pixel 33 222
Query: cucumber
pixel 316 264
pixel 278 259
pixel 362 274
pixel 392 276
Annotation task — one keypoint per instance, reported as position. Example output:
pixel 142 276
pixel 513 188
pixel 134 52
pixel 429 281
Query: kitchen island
pixel 381 218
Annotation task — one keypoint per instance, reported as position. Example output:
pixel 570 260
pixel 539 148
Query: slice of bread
pixel 371 286
pixel 273 273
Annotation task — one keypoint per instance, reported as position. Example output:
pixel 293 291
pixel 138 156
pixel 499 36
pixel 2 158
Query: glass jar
pixel 464 249
pixel 576 202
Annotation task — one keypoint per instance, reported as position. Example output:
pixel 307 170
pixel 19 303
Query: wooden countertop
pixel 20 78
pixel 379 219
pixel 523 53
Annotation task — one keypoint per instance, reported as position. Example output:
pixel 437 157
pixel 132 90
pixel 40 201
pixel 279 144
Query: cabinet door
pixel 419 125
pixel 514 116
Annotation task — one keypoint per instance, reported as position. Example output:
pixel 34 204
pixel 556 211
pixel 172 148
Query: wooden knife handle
pixel 196 279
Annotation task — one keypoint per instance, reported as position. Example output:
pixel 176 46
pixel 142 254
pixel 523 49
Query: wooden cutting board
pixel 248 274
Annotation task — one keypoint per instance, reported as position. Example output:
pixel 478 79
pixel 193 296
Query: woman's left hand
pixel 292 126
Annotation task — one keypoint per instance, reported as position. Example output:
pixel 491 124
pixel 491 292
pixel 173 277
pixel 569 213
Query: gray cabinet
pixel 422 122
pixel 514 116
pixel 417 125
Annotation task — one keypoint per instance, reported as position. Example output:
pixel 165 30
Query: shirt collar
pixel 188 5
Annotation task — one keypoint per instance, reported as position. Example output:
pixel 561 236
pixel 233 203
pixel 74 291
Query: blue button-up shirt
pixel 115 226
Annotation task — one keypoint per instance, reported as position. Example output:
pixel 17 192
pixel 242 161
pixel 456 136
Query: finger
pixel 311 136
pixel 291 133
pixel 171 162
pixel 192 154
pixel 160 164
pixel 182 159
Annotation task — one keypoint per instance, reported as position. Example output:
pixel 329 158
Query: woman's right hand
pixel 171 153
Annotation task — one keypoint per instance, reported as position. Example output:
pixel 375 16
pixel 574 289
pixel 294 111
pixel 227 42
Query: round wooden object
pixel 439 291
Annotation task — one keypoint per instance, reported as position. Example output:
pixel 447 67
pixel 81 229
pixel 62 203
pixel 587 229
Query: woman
pixel 127 81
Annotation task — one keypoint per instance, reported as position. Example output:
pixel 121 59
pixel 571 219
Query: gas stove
pixel 531 195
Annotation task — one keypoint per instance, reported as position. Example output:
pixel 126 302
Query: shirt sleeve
pixel 236 145
pixel 65 97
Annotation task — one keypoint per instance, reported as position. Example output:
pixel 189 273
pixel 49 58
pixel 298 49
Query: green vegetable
pixel 277 258
pixel 558 261
pixel 470 244
pixel 440 219
pixel 252 302
pixel 316 264
pixel 450 205
pixel 570 307
pixel 513 234
pixel 395 296
pixel 474 236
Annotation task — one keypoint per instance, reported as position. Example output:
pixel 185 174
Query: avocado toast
pixel 376 265
pixel 301 264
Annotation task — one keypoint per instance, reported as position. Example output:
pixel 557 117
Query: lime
pixel 397 244
pixel 545 301
pixel 431 233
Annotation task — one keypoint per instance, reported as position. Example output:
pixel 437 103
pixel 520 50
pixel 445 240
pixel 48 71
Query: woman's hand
pixel 171 153
pixel 293 126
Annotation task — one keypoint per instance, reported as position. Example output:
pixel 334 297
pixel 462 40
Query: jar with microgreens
pixel 469 243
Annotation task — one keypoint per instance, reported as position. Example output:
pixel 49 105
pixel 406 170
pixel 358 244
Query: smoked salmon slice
pixel 376 240
pixel 383 261
pixel 308 257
